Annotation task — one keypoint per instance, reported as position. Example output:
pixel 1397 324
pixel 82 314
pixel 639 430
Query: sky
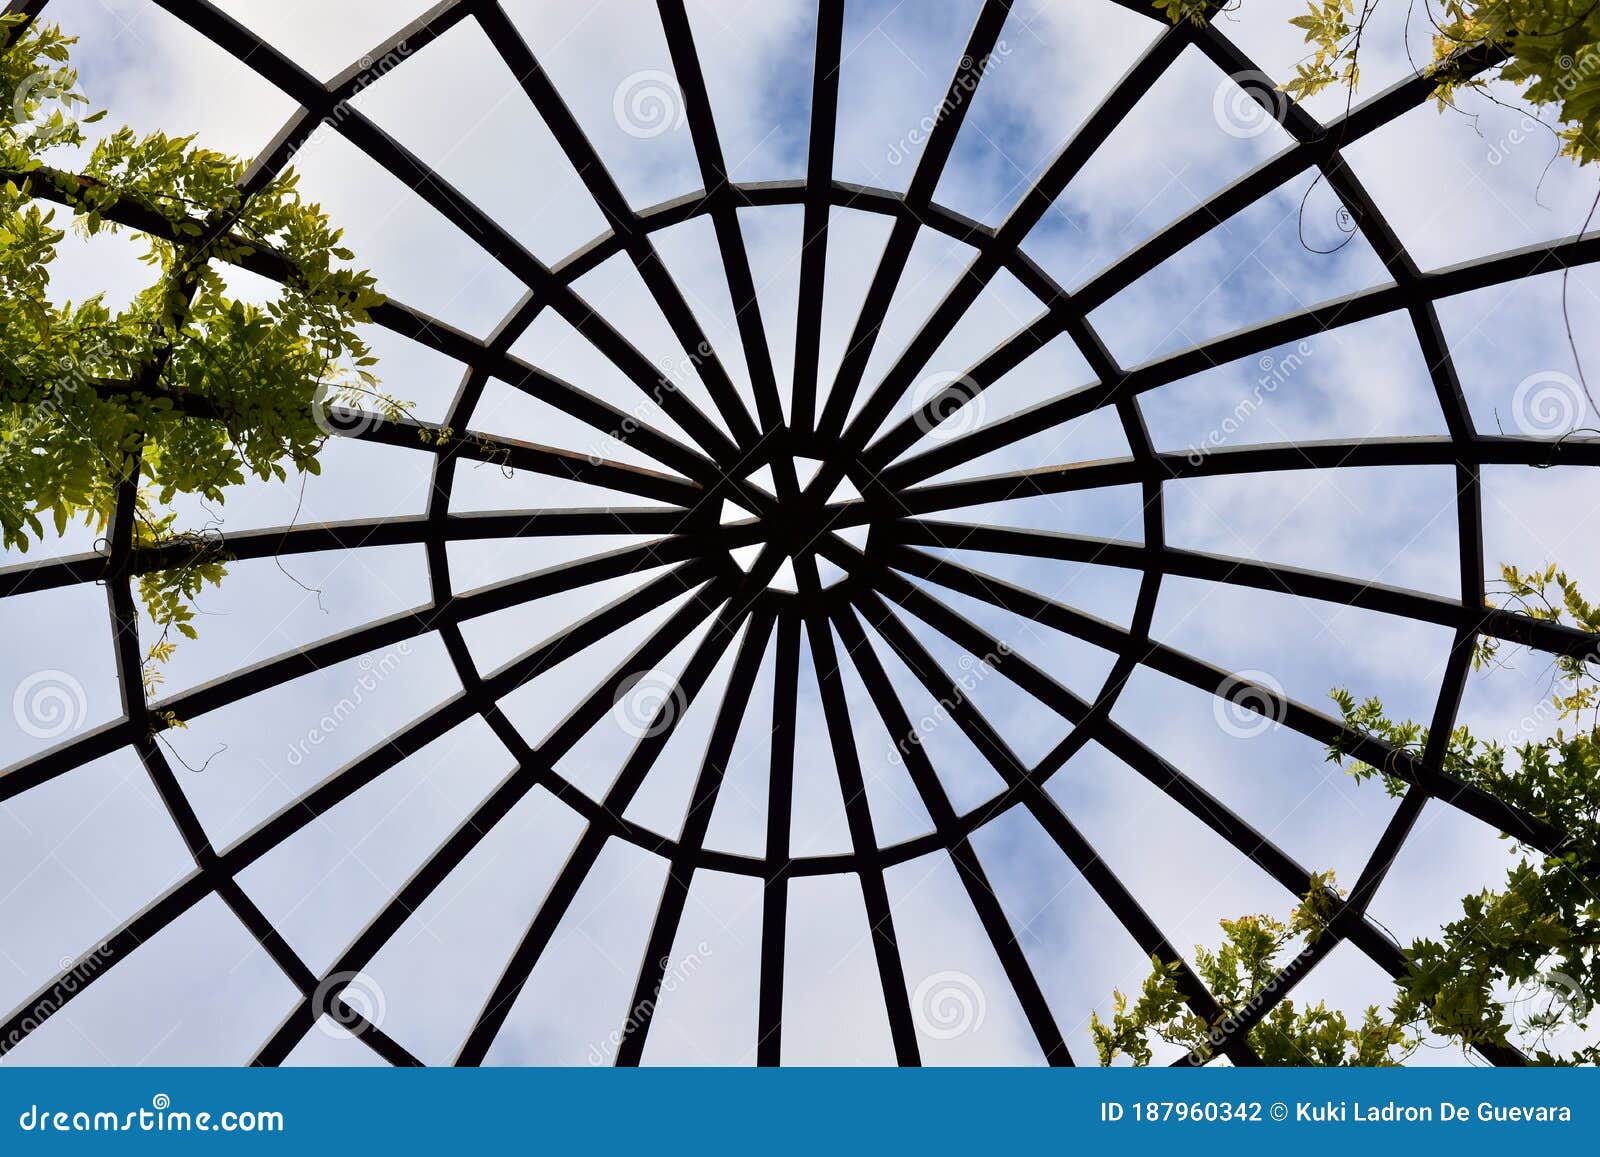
pixel 87 850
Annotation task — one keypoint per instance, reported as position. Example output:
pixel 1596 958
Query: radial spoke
pixel 591 169
pixel 775 882
pixel 970 869
pixel 1035 203
pixel 332 791
pixel 472 831
pixel 874 893
pixel 724 218
pixel 432 187
pixel 1541 634
pixel 1215 680
pixel 1329 455
pixel 1360 306
pixel 814 243
pixel 1272 174
pixel 584 856
pixel 1049 814
pixel 681 867
pixel 952 113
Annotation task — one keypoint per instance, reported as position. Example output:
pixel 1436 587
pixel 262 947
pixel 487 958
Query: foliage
pixel 187 390
pixel 1240 975
pixel 1519 964
pixel 1553 50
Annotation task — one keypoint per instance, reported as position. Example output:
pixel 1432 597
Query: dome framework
pixel 796 522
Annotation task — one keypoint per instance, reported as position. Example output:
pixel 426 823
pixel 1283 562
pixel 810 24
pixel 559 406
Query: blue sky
pixel 88 850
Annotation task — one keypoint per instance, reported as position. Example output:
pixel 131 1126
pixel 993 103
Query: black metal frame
pixel 894 490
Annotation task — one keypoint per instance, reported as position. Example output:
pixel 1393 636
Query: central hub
pixel 798 524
